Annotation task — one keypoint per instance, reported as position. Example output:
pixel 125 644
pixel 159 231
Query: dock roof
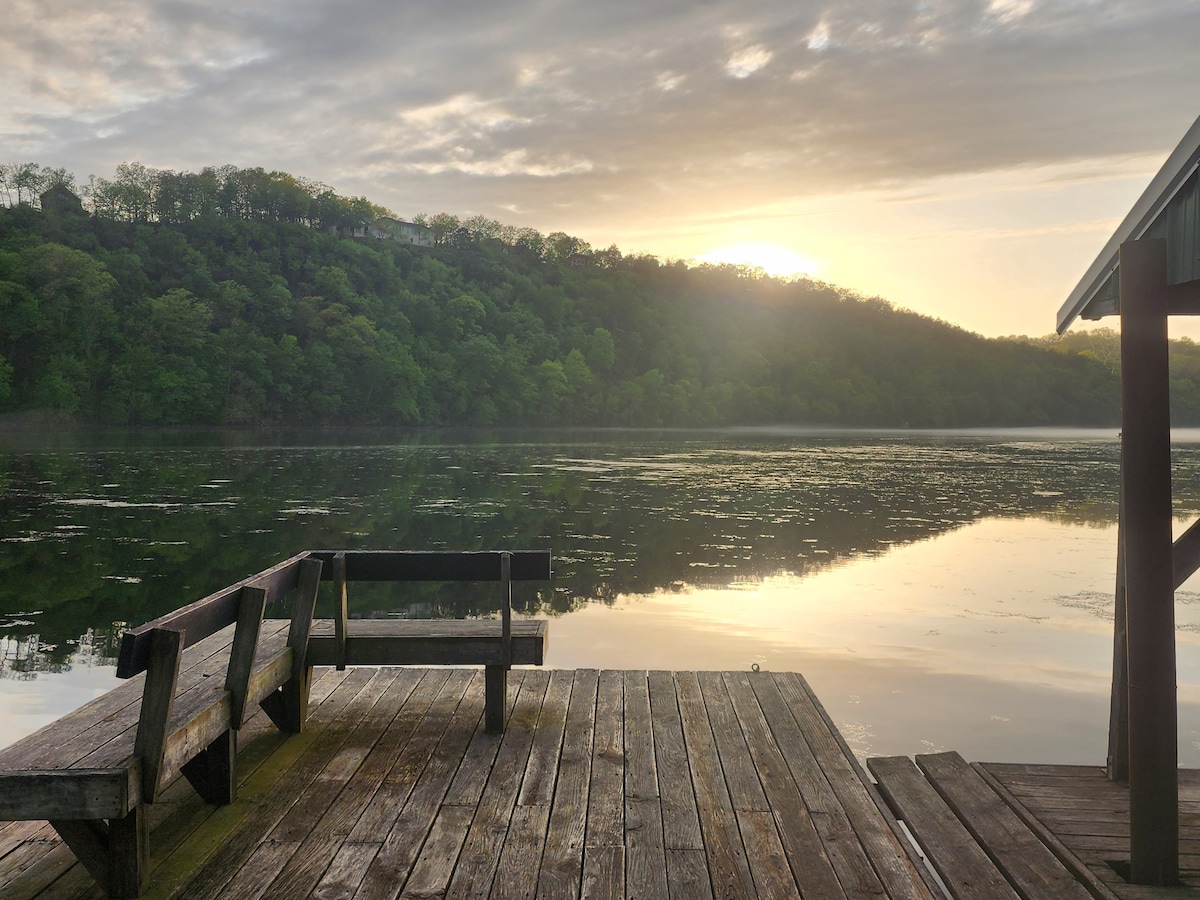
pixel 1168 208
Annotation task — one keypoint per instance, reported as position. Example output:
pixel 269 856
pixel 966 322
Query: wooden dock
pixel 605 784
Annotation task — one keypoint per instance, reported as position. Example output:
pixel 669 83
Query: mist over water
pixel 939 591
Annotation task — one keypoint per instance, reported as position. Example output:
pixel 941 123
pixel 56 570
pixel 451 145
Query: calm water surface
pixel 939 591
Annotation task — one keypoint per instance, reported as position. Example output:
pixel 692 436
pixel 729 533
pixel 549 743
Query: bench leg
pixel 288 706
pixel 495 697
pixel 213 771
pixel 116 854
pixel 129 847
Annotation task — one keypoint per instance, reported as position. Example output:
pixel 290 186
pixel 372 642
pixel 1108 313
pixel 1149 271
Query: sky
pixel 966 159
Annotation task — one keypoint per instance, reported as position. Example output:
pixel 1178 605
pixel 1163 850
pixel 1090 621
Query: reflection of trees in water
pixel 94 537
pixel 23 657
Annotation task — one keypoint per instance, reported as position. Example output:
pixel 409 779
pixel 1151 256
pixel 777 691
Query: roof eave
pixel 1174 172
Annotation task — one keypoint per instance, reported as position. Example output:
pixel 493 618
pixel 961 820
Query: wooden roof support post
pixel 1146 495
pixel 1118 716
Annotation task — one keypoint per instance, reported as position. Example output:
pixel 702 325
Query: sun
pixel 771 258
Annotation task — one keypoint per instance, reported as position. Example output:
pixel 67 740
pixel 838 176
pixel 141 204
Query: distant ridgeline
pixel 245 297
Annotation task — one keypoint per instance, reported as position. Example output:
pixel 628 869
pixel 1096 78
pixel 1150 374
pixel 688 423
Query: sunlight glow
pixel 771 258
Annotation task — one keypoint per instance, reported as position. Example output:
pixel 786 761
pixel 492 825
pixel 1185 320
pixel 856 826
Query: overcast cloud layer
pixel 577 115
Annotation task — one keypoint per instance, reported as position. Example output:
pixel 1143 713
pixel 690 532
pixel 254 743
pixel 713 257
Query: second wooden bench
pixel 494 644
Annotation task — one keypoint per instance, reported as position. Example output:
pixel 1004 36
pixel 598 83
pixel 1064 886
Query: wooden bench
pixel 976 841
pixel 92 772
pixel 495 645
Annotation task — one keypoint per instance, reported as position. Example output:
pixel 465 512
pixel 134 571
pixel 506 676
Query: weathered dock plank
pixel 963 864
pixel 562 858
pixel 1025 860
pixel 645 854
pixel 318 827
pixel 1084 817
pixel 811 866
pixel 520 862
pixel 845 851
pixel 879 836
pixel 301 760
pixel 604 846
pixel 429 763
pixel 605 784
pixel 727 863
pixel 484 839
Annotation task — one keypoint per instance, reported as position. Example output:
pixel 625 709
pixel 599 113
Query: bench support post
pixel 162 678
pixel 288 706
pixel 495 697
pixel 116 854
pixel 245 646
pixel 339 608
pixel 212 771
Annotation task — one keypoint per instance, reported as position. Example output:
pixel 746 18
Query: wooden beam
pixel 339 609
pixel 1118 713
pixel 209 717
pixel 384 642
pixel 1146 490
pixel 205 616
pixel 213 771
pixel 302 614
pixel 68 794
pixel 88 840
pixel 506 607
pixel 116 853
pixel 495 697
pixel 1185 555
pixel 1184 299
pixel 413 565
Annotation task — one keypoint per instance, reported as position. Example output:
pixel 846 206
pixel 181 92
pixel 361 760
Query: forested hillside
pixel 236 297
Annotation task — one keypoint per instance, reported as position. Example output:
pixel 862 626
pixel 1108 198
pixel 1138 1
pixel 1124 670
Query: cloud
pixel 491 106
pixel 746 62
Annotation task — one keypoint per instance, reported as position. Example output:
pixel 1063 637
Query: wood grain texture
pixel 396 790
pixel 562 858
pixel 880 837
pixel 962 863
pixel 162 677
pixel 645 853
pixel 727 863
pixel 1026 862
pixel 243 651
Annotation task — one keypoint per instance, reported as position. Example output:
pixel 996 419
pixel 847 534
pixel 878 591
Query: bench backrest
pixel 435 565
pixel 504 566
pixel 204 617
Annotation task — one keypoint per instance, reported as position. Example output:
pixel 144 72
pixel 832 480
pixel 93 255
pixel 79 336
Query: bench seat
pixel 425 642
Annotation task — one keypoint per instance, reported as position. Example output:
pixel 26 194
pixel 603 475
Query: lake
pixel 938 590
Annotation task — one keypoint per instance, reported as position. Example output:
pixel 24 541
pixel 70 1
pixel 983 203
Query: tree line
pixel 234 296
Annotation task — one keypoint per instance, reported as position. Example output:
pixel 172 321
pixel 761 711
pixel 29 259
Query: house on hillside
pixel 60 200
pixel 388 229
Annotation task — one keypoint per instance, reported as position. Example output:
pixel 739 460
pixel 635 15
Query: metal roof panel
pixel 1095 295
